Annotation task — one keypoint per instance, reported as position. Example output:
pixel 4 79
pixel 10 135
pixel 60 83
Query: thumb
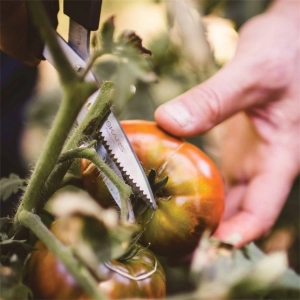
pixel 230 90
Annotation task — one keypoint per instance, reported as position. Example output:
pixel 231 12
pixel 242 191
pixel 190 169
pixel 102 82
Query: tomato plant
pixel 191 201
pixel 138 276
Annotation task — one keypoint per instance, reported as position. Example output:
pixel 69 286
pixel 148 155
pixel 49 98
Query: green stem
pixel 63 253
pixel 62 125
pixel 123 189
pixel 94 117
pixel 75 153
pixel 76 94
pixel 90 62
pixel 71 180
pixel 92 120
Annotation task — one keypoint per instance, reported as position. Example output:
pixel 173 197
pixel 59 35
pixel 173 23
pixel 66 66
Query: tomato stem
pixel 92 120
pixel 91 62
pixel 61 127
pixel 76 93
pixel 63 253
pixel 123 189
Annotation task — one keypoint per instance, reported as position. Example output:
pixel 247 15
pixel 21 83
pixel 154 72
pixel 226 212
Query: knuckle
pixel 209 106
pixel 275 72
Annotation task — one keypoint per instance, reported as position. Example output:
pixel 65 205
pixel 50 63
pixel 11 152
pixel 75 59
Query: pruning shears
pixel 114 147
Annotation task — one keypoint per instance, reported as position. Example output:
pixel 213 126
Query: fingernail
pixel 178 113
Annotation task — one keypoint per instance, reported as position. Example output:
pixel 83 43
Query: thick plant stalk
pixel 63 253
pixel 79 136
pixel 76 92
pixel 64 120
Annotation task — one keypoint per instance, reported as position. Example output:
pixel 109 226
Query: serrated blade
pixel 119 148
pixel 102 152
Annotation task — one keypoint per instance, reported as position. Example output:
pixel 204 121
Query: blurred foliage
pixel 85 223
pixel 217 271
pixel 42 108
pixel 241 11
pixel 12 286
pixel 10 185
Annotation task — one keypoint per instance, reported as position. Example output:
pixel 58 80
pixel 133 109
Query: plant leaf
pixel 96 233
pixel 10 185
pixel 107 33
pixel 12 243
pixel 5 224
pixel 130 38
pixel 11 284
pixel 223 272
pixel 129 62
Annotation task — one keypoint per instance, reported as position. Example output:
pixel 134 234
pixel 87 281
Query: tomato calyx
pixel 157 186
pixel 139 206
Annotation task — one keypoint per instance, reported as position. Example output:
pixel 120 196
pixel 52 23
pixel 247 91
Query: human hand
pixel 260 153
pixel 19 38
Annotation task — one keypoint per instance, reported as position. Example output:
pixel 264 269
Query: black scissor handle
pixel 84 12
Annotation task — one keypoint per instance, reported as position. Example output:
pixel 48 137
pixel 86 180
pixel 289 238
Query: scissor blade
pixel 111 187
pixel 79 39
pixel 128 163
pixel 119 148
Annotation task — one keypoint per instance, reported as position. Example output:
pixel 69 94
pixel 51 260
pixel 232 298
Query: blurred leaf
pixel 107 35
pixel 10 185
pixel 126 62
pixel 11 278
pixel 11 245
pixel 252 252
pixel 96 233
pixel 222 272
pixel 190 32
pixel 289 280
pixel 5 224
pixel 11 285
pixel 43 108
pixel 260 276
pixel 131 41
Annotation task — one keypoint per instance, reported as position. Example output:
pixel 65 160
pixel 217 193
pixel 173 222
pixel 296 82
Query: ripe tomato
pixel 194 186
pixel 48 278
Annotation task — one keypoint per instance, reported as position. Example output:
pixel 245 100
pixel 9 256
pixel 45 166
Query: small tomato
pixel 140 276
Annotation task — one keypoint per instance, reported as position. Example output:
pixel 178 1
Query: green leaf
pixel 290 279
pixel 127 63
pixel 222 272
pixel 12 286
pixel 151 177
pixel 97 234
pixel 10 185
pixel 107 33
pixel 133 42
pixel 12 243
pixel 75 153
pixel 5 224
